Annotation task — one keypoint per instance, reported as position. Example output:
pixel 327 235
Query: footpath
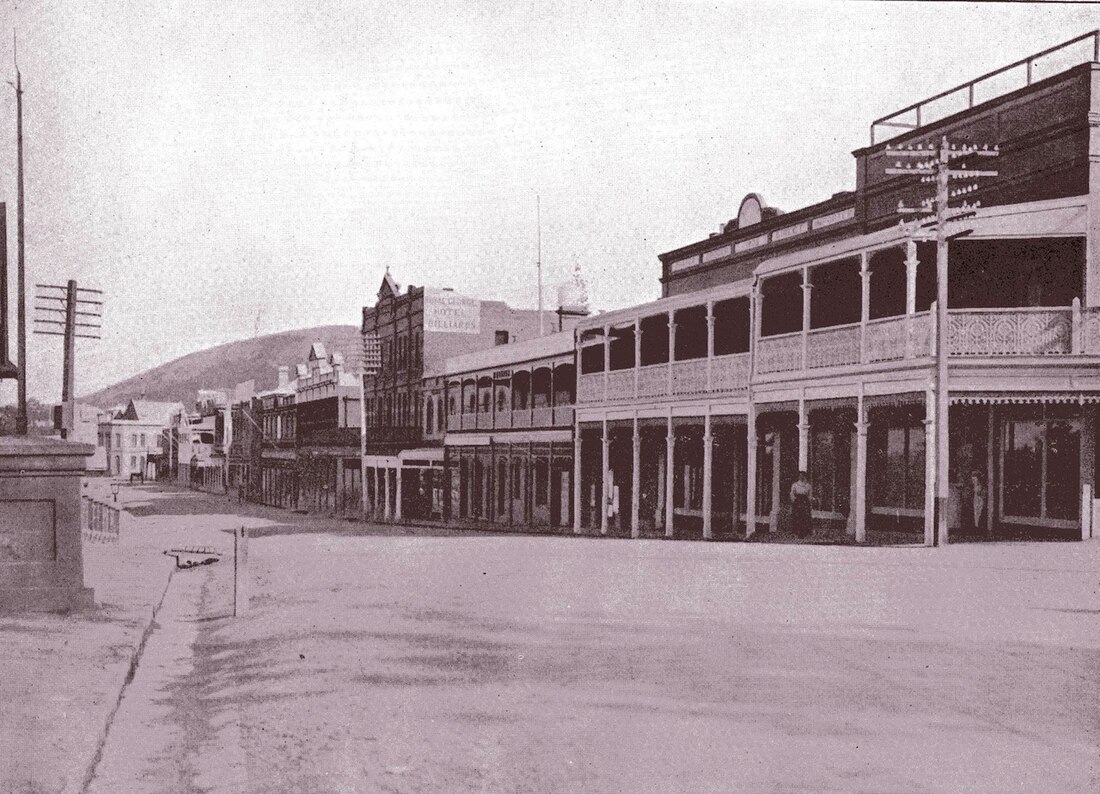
pixel 62 676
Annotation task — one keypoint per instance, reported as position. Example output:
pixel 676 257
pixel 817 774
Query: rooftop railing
pixel 920 109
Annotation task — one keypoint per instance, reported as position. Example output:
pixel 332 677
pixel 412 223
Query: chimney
pixel 284 375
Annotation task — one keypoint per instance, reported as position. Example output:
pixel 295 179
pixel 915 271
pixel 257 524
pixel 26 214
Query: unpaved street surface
pixel 546 664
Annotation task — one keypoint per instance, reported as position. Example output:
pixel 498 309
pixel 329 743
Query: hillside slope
pixel 225 366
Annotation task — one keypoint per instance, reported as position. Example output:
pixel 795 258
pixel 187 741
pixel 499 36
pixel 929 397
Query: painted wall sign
pixel 717 253
pixel 686 262
pixel 790 231
pixel 450 312
pixel 752 242
pixel 834 217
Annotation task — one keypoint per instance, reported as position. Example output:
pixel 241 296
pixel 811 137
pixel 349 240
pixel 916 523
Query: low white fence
pixel 99 521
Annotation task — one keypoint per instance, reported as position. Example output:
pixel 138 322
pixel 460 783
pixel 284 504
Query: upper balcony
pixel 540 398
pixel 687 345
pixel 528 385
pixel 1017 287
pixel 1008 296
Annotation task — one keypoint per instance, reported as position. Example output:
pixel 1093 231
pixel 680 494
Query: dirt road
pixel 543 664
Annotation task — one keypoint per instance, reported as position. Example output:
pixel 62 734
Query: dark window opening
pixel 540 388
pixel 521 388
pixel 782 309
pixel 591 359
pixel 500 337
pixel 565 385
pixel 731 326
pixel 1015 273
pixel 837 294
pixel 654 340
pixel 887 290
pixel 691 333
pixel 621 355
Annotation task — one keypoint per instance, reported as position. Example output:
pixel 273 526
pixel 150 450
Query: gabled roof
pixel 388 285
pixel 150 411
pixel 317 352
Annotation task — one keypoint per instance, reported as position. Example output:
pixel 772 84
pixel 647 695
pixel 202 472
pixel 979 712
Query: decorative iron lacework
pixel 832 347
pixel 779 354
pixel 1018 332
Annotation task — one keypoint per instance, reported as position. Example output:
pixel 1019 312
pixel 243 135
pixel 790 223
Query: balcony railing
pixel 518 418
pixel 721 374
pixel 782 353
pixel 897 338
pixel 329 437
pixel 1011 332
pixel 833 347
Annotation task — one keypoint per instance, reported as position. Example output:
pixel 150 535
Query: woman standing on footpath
pixel 977 502
pixel 801 520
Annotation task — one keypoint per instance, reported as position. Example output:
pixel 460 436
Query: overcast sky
pixel 224 168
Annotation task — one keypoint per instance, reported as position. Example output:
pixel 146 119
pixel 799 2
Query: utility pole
pixel 81 320
pixel 936 167
pixel 8 370
pixel 21 296
pixel 372 363
pixel 538 260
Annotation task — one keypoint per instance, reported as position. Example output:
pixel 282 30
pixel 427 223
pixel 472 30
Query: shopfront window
pixel 896 462
pixel 1042 458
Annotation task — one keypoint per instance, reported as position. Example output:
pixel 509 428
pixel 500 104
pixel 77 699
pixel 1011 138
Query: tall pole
pixel 68 376
pixel 538 261
pixel 7 369
pixel 21 305
pixel 363 443
pixel 942 441
pixel 937 168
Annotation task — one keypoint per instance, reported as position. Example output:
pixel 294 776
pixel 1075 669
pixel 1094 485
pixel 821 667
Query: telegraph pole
pixel 372 363
pixel 8 370
pixel 937 167
pixel 82 317
pixel 538 260
pixel 21 296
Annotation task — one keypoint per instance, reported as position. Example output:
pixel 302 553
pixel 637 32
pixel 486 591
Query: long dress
pixel 801 520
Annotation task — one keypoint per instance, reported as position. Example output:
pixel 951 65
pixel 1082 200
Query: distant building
pixel 509 436
pixel 275 457
pixel 417 331
pixel 326 402
pixel 135 437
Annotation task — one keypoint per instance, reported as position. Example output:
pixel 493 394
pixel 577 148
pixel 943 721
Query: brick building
pixel 418 330
pixel 806 341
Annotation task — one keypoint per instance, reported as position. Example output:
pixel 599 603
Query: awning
pixel 425 457
pixel 1023 398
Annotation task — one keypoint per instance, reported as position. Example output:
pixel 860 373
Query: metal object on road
pixel 194 557
pixel 240 571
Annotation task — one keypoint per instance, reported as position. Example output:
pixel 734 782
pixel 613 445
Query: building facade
pixel 326 403
pixel 136 436
pixel 417 330
pixel 509 435
pixel 807 341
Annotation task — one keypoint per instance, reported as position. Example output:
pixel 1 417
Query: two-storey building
pixel 807 341
pixel 326 401
pixel 416 331
pixel 509 434
pixel 275 466
pixel 135 436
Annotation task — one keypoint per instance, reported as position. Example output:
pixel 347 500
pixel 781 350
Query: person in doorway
pixel 801 519
pixel 977 489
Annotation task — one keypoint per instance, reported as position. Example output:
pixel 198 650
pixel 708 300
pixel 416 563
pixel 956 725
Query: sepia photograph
pixel 574 396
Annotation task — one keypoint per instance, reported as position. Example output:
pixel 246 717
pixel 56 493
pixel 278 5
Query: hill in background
pixel 224 366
